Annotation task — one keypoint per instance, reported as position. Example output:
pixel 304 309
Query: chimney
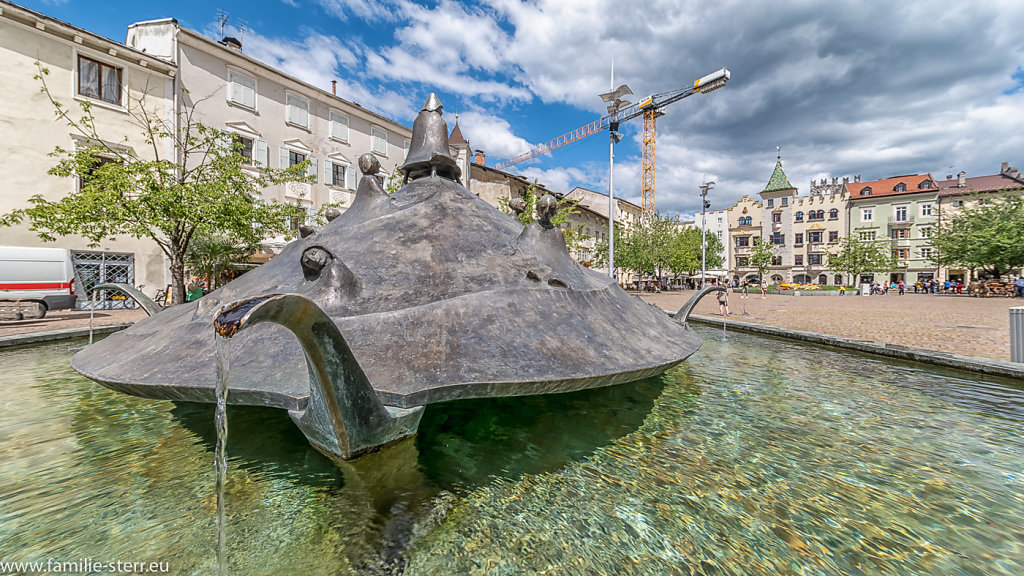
pixel 232 43
pixel 480 158
pixel 961 181
pixel 334 87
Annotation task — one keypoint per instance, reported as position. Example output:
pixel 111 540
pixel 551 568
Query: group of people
pixel 884 287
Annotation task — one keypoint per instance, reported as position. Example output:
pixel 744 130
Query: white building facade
pixel 114 80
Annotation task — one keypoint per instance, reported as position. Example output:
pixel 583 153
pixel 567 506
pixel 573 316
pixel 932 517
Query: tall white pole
pixel 611 191
pixel 703 232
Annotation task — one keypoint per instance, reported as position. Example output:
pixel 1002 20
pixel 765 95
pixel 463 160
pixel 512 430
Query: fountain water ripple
pixel 757 456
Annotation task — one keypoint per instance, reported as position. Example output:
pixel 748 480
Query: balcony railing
pixel 897 221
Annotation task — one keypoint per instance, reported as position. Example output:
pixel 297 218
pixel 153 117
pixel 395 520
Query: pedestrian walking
pixel 901 286
pixel 1019 284
pixel 743 294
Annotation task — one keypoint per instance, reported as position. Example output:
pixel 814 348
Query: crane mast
pixel 650 108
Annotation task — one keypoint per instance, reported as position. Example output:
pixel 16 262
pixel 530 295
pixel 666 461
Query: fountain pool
pixel 756 456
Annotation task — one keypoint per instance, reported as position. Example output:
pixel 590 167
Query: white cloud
pixel 491 134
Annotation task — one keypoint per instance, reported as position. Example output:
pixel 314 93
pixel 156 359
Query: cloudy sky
pixel 865 88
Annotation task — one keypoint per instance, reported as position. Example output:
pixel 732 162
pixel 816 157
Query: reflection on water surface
pixel 754 457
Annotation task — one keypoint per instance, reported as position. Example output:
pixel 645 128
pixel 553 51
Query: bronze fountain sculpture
pixel 404 300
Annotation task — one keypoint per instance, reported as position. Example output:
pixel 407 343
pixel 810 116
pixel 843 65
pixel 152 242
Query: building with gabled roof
pixel 901 210
pixel 958 193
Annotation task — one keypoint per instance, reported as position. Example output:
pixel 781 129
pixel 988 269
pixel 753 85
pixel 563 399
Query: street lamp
pixel 615 103
pixel 704 205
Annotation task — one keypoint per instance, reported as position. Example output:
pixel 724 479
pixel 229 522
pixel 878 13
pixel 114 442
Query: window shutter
pixel 262 154
pixel 327 172
pixel 284 159
pixel 311 169
pixel 350 177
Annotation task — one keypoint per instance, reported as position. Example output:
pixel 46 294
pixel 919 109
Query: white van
pixel 34 281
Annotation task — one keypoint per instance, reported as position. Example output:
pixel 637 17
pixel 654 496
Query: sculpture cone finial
pixel 428 153
pixel 433 104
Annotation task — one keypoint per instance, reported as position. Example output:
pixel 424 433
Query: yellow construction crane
pixel 650 108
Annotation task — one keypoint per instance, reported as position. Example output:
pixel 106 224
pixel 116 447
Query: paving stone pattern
pixel 957 324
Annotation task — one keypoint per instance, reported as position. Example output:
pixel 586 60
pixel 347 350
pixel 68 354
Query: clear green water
pixel 754 457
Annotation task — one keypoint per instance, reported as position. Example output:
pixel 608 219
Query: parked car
pixel 34 281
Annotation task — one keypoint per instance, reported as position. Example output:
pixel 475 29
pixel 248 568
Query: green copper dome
pixel 778 181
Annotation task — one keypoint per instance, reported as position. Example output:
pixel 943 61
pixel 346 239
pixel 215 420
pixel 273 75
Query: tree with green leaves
pixel 205 186
pixel 855 257
pixel 761 257
pixel 566 208
pixel 214 256
pixel 983 236
pixel 685 253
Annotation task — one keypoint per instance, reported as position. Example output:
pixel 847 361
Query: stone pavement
pixel 956 324
pixel 67 319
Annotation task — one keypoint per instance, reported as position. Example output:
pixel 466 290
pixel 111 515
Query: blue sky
pixel 846 88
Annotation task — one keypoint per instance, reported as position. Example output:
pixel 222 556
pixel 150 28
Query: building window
pixel 339 126
pixel 776 260
pixel 833 214
pixel 777 238
pixel 957 204
pixel 799 216
pixel 100 162
pixel 833 236
pixel 865 191
pixel 776 217
pixel 901 233
pixel 785 201
pixel 901 187
pixel 719 221
pixel 244 147
pixel 798 239
pixel 299 218
pixel 338 175
pixel 297 111
pixel 925 185
pixel 866 236
pixel 98 80
pixel 925 231
pixel 798 259
pixel 742 241
pixel 771 202
pixel 814 236
pixel 745 220
pixel 241 89
pixel 901 253
pixel 816 215
pixel 926 209
pixel 408 144
pixel 901 214
pixel 719 233
pixel 743 261
pixel 926 253
pixel 295 158
pixel 379 141
pixel 866 215
pixel 814 259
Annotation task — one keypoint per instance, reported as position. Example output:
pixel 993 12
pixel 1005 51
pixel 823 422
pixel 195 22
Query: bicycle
pixel 164 297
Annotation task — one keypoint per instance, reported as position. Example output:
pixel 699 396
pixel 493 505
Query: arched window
pixel 823 279
pixel 839 280
pixel 821 214
pixel 833 213
pixel 901 187
pixel 799 216
pixel 865 191
pixel 745 220
pixel 925 185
